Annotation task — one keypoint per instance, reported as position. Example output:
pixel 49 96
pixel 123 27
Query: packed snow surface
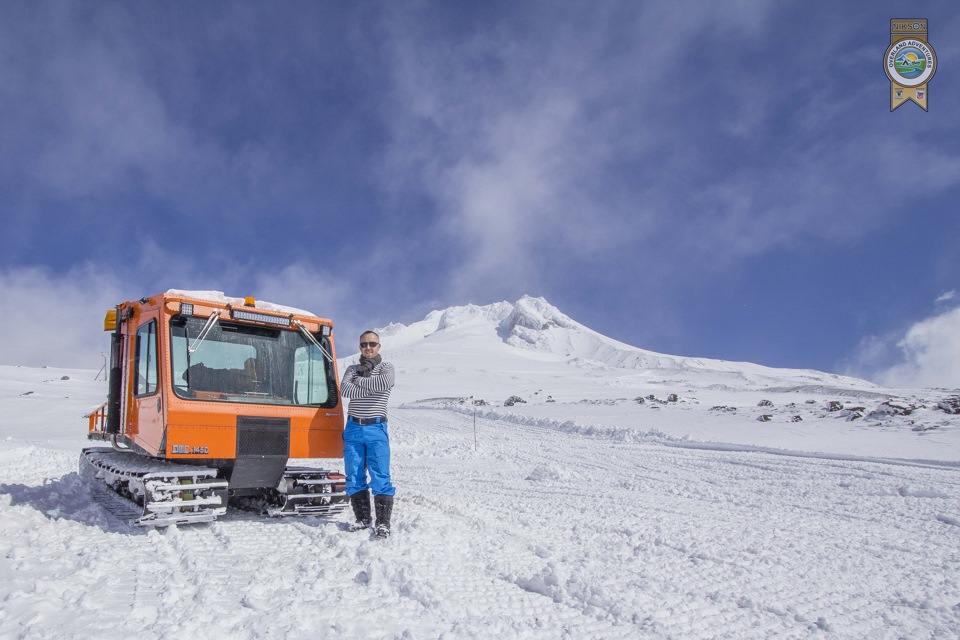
pixel 622 494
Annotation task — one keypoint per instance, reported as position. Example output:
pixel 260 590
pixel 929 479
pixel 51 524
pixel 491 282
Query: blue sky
pixel 697 178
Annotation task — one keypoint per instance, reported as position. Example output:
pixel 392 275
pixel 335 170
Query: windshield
pixel 243 363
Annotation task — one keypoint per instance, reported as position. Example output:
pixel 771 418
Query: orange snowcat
pixel 208 399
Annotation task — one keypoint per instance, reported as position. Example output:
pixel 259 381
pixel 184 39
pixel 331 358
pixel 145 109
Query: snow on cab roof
pixel 219 296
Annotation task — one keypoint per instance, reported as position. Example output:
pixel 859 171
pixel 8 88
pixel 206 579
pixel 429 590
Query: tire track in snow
pixel 538 534
pixel 494 550
pixel 747 540
pixel 454 576
pixel 227 578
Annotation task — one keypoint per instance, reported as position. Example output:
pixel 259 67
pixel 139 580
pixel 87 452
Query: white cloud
pixel 87 119
pixel 930 354
pixel 55 320
pixel 539 142
pixel 946 297
pixel 320 292
pixel 510 137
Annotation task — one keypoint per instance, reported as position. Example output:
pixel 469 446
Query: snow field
pixel 568 520
pixel 538 533
pixel 659 541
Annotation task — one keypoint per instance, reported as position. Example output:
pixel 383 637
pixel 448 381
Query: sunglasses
pixel 364 345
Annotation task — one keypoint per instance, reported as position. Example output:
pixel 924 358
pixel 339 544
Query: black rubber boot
pixel 384 507
pixel 360 501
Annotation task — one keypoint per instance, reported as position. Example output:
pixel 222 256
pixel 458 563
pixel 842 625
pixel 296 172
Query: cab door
pixel 146 410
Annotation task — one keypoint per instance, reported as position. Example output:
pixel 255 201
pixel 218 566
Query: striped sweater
pixel 368 396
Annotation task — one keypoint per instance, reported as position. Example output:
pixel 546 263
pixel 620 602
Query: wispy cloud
pixel 947 297
pixel 930 352
pixel 88 120
pixel 622 132
pixel 388 161
pixel 55 319
pixel 926 354
pixel 320 291
pixel 510 135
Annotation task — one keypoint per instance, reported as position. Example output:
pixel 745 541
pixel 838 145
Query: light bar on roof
pixel 253 316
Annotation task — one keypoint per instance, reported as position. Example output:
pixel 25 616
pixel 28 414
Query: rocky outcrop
pixel 950 405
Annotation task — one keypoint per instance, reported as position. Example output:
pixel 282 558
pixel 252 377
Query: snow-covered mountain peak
pixel 471 314
pixel 528 323
pixel 537 314
pixel 508 337
pixel 533 323
pixel 446 321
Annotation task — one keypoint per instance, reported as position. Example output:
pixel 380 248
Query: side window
pixel 146 364
pixel 309 376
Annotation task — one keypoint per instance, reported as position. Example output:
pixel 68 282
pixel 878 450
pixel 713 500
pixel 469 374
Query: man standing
pixel 366 445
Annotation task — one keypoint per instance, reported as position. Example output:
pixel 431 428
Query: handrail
pixel 97 418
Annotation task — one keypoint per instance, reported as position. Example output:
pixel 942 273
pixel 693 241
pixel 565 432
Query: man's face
pixel 369 345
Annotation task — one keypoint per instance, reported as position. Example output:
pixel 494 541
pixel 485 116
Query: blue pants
pixel 366 449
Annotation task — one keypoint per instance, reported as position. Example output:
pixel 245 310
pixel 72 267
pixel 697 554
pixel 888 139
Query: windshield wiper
pixel 309 336
pixel 212 320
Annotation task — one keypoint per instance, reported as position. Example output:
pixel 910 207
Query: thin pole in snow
pixel 474 427
pixel 103 369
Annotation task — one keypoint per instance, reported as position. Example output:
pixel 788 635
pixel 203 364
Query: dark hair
pixel 371 331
